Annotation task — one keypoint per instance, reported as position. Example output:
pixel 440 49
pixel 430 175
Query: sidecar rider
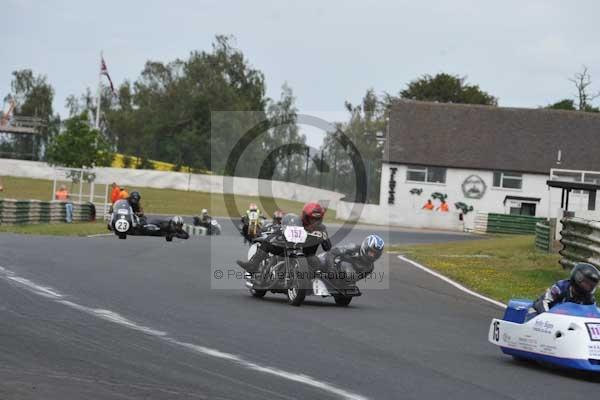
pixel 134 200
pixel 579 288
pixel 166 227
pixel 312 221
pixel 203 219
pixel 353 262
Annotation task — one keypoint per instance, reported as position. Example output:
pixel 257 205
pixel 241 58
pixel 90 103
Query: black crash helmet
pixel 135 197
pixel 584 278
pixel 291 220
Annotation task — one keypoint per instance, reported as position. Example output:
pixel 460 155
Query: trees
pixel 165 114
pixel 564 104
pixel 33 96
pixel 366 122
pixel 582 81
pixel 79 145
pixel 584 97
pixel 446 88
pixel 283 144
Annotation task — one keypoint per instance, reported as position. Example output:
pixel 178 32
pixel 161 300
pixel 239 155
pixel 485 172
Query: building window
pixel 576 176
pixel 426 174
pixel 508 180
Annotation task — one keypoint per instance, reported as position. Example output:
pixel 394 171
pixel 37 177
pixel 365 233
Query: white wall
pixel 180 181
pixel 410 218
pixel 534 185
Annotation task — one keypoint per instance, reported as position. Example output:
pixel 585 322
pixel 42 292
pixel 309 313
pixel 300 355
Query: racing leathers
pixel 138 210
pixel 203 221
pixel 245 219
pixel 561 292
pixel 346 263
pixel 266 247
pixel 164 227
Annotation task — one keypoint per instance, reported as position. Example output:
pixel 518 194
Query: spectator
pixel 443 207
pixel 63 195
pixel 428 205
pixel 116 191
pixel 1 186
pixel 123 194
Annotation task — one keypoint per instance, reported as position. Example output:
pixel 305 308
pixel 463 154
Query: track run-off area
pixel 105 318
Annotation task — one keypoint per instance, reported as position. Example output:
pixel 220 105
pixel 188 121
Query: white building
pixel 493 159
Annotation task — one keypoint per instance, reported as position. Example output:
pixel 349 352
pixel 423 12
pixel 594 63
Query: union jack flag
pixel 104 71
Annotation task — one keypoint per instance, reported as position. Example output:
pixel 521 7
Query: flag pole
pixel 99 92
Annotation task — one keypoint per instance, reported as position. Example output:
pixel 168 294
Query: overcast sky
pixel 328 51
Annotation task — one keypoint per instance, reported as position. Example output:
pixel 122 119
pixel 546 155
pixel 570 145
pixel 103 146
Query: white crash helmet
pixel 177 221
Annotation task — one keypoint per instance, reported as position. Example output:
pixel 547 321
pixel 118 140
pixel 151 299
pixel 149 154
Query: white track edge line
pixel 452 282
pixel 118 319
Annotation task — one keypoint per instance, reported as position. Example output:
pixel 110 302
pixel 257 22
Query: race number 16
pixel 496 331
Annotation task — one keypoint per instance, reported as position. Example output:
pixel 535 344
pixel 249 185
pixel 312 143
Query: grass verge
pixel 501 267
pixel 160 201
pixel 154 201
pixel 74 229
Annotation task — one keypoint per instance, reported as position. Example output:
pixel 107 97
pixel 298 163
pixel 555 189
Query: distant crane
pixel 19 124
pixel 6 116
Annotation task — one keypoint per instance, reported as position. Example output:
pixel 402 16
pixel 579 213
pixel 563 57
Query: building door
pixel 525 209
pixel 528 209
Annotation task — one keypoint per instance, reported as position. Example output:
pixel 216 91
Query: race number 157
pixel 496 334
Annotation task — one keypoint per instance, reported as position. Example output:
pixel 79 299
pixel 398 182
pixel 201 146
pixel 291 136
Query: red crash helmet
pixel 312 214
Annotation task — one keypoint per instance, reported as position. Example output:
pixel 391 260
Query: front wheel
pixel 122 236
pixel 295 293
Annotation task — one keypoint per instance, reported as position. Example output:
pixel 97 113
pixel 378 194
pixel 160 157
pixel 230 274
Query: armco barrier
pixel 36 212
pixel 194 230
pixel 581 242
pixel 481 222
pixel 511 224
pixel 542 236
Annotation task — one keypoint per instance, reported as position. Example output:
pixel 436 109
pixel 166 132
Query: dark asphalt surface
pixel 420 339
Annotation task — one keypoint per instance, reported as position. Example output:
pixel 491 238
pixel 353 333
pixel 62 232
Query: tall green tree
pixel 79 146
pixel 165 114
pixel 283 143
pixel 33 96
pixel 446 88
pixel 364 129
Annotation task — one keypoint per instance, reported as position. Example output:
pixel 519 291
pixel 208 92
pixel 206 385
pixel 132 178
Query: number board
pixel 593 330
pixel 295 234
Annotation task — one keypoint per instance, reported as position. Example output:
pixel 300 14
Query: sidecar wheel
pixel 258 293
pixel 342 301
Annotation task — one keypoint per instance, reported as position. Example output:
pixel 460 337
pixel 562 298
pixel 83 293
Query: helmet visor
pixel 588 285
pixel 315 218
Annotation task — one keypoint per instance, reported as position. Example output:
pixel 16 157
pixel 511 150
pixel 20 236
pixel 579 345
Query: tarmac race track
pixel 102 318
